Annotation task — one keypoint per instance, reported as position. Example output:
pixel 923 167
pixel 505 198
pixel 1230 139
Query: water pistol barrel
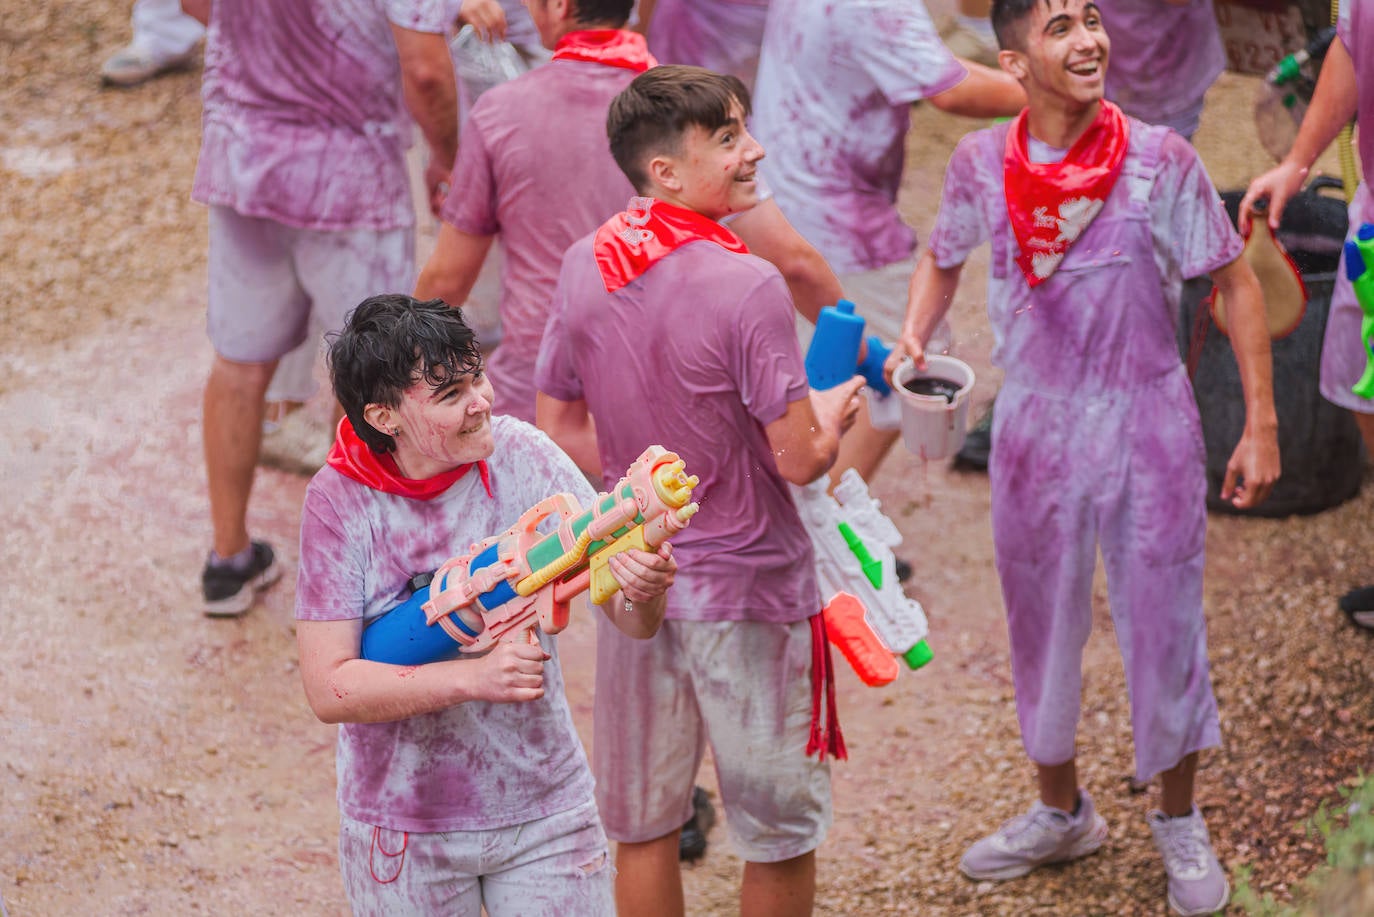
pixel 1359 270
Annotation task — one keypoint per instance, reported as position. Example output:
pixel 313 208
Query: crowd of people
pixel 676 190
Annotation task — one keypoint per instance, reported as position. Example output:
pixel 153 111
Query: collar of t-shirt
pixel 353 458
pixel 630 243
pixel 613 47
pixel 1051 200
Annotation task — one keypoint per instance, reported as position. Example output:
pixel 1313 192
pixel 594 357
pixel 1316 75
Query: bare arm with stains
pixel 342 688
pixel 806 439
pixel 1253 467
pixel 430 88
pixel 984 93
pixel 453 266
pixel 1334 103
pixel 571 426
pixel 928 299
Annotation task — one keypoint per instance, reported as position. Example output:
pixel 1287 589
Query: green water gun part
pixel 1359 270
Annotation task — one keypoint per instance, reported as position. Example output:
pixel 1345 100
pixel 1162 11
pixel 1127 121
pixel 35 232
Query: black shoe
pixel 691 845
pixel 229 592
pixel 902 569
pixel 1358 605
pixel 977 444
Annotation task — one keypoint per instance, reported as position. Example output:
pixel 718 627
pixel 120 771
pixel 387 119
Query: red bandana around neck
pixel 353 458
pixel 1050 204
pixel 630 243
pixel 613 47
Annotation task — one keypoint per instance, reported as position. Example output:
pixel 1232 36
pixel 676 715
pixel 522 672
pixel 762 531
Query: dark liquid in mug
pixel 939 388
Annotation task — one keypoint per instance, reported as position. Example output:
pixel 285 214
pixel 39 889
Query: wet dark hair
pixel 390 342
pixel 651 114
pixel 598 12
pixel 1009 22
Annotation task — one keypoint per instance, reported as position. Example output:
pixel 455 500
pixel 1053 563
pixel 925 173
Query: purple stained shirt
pixel 304 121
pixel 1343 354
pixel 720 35
pixel 1190 232
pixel 698 355
pixel 1355 27
pixel 535 167
pixel 831 108
pixel 477 765
pixel 1164 57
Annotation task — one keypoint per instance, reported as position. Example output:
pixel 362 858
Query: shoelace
pixel 1024 831
pixel 1184 851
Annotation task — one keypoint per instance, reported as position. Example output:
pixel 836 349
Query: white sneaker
pixel 1042 835
pixel 1197 884
pixel 131 65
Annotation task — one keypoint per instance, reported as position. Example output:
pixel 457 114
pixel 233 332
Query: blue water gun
pixel 833 356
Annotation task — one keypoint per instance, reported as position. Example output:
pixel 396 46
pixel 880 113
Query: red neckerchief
pixel 352 457
pixel 1050 204
pixel 613 47
pixel 630 243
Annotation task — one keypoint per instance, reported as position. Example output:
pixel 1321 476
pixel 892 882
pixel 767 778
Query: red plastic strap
pixel 828 739
pixel 377 846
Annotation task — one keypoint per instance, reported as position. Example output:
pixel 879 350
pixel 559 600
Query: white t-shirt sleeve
pixel 903 53
pixel 961 223
pixel 1188 215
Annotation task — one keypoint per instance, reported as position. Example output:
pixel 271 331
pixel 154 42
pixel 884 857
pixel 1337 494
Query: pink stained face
pixel 442 428
pixel 719 169
pixel 1067 50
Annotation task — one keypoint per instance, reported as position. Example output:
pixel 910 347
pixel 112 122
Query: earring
pixel 394 431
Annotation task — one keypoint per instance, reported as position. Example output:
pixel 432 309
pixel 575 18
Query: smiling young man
pixel 512 182
pixel 833 105
pixel 462 784
pixel 665 329
pixel 1094 220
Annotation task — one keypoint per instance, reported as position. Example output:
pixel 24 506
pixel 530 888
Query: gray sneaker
pixel 1042 835
pixel 229 592
pixel 1197 884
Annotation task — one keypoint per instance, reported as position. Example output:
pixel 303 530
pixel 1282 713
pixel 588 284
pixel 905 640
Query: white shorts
pixel 742 686
pixel 268 279
pixel 558 866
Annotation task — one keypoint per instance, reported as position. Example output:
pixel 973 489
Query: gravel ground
pixel 155 762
